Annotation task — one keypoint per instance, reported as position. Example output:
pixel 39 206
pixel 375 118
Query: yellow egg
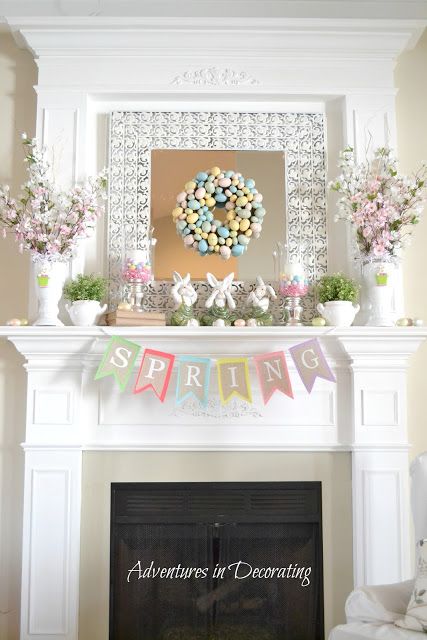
pixel 176 212
pixel 198 230
pixel 189 211
pixel 124 306
pixel 233 198
pixel 234 182
pixel 248 233
pixel 318 322
pixel 204 235
pixel 228 242
pixel 231 215
pixel 192 218
pixel 190 186
pixel 24 322
pixel 216 248
pixel 202 202
pixel 233 234
pixel 210 202
pixel 215 171
pixel 402 322
pixel 250 197
pixel 240 202
pixel 245 191
pixel 212 239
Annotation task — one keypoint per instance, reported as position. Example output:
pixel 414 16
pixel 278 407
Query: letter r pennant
pixel 193 379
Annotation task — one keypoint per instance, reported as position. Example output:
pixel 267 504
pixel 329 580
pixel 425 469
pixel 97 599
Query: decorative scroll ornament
pixel 212 76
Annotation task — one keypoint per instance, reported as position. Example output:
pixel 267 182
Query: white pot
pixel 85 313
pixel 338 313
pixel 49 280
pixel 378 296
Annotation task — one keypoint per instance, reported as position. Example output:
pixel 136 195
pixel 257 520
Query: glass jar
pixel 137 272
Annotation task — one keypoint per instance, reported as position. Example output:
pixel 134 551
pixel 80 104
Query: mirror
pixel 171 169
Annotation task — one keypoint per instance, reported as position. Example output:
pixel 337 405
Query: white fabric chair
pixel 371 611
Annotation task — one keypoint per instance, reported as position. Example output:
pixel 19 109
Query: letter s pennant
pixel 118 361
pixel 155 373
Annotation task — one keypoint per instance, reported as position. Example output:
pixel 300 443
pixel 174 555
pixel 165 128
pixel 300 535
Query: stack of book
pixel 122 318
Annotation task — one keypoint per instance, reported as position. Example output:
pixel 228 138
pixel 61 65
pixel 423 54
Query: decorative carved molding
pixel 212 76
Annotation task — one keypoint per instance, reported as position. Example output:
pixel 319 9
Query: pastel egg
pixel 229 242
pixel 203 246
pixel 250 183
pixel 14 322
pixel 229 205
pixel 176 212
pixel 204 235
pixel 240 322
pixel 190 186
pixel 261 212
pixel 234 225
pixel 402 322
pixel 237 250
pixel 223 232
pixel 212 239
pixel 258 197
pixel 417 322
pixel 252 322
pixel 221 240
pixel 215 171
pixel 188 240
pixel 224 182
pixel 181 196
pixel 200 193
pixel 192 218
pixel 124 306
pixel 318 322
pixel 225 252
pixel 241 201
pixel 245 213
pixel 209 187
pixel 24 322
pixel 181 224
pixel 243 239
pixel 210 202
pixel 194 205
pixel 244 225
pixel 206 226
pixel 201 176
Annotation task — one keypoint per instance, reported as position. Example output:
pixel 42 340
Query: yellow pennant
pixel 233 379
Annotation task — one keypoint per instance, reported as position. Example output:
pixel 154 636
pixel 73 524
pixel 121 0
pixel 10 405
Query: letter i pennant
pixel 193 379
pixel 273 374
pixel 155 373
pixel 233 379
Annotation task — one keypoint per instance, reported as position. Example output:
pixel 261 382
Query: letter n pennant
pixel 118 361
pixel 311 363
pixel 193 379
pixel 155 373
pixel 273 374
pixel 233 379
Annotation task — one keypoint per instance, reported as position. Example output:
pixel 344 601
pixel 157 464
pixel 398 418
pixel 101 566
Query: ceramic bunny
pixel 184 297
pixel 258 303
pixel 220 303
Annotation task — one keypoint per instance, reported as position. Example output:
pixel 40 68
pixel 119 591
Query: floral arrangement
pixel 46 222
pixel 83 287
pixel 337 287
pixel 380 203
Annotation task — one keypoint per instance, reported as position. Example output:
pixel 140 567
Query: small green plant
pixel 90 287
pixel 337 287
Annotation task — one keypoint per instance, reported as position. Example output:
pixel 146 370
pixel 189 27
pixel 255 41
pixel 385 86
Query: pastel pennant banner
pixel 311 363
pixel 233 379
pixel 273 374
pixel 193 378
pixel 118 361
pixel 155 373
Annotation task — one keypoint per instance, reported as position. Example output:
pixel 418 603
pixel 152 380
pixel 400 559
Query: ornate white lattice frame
pixel 133 135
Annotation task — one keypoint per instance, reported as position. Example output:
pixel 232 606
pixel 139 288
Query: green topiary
pixel 337 287
pixel 86 288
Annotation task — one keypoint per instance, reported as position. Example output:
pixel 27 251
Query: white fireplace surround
pixel 89 66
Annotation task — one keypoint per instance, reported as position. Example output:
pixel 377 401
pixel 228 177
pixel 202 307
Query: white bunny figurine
pixel 258 303
pixel 260 297
pixel 184 297
pixel 220 302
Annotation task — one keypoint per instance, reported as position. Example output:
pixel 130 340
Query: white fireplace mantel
pixel 68 413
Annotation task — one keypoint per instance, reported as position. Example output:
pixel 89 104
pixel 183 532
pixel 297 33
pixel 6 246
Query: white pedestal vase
pixel 49 281
pixel 378 293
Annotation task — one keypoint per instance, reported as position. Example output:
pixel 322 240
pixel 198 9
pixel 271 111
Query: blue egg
pixel 233 189
pixel 219 197
pixel 260 211
pixel 256 205
pixel 197 236
pixel 186 231
pixel 209 216
pixel 205 208
pixel 228 174
pixel 239 192
pixel 203 246
pixel 201 176
pixel 249 183
pixel 254 190
pixel 181 224
pixel 192 226
pixel 194 205
pixel 219 190
pixel 223 232
pixel 201 219
pixel 217 223
pixel 236 250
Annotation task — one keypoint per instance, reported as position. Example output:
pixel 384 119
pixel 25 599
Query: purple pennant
pixel 311 363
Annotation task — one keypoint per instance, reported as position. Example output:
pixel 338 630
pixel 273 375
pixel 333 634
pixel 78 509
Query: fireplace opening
pixel 216 561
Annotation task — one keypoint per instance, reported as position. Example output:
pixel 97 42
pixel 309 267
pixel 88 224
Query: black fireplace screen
pixel 223 561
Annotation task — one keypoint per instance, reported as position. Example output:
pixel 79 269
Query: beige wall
pixel 99 469
pixel 17 114
pixel 411 105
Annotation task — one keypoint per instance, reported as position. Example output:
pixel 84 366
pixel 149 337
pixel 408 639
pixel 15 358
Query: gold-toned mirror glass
pixel 171 169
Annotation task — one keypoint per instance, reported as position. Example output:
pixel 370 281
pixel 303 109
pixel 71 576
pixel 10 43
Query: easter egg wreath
pixel 215 189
